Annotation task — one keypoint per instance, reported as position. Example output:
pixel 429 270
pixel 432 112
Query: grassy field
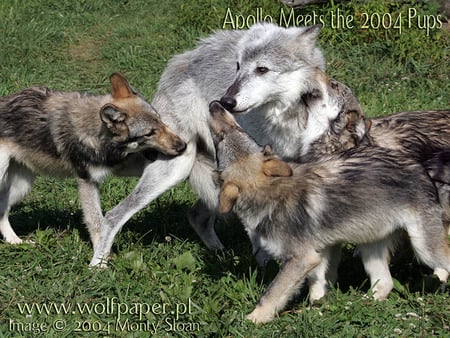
pixel 162 281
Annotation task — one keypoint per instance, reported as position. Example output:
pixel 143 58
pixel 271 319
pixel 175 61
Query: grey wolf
pixel 269 69
pixel 300 211
pixel 71 134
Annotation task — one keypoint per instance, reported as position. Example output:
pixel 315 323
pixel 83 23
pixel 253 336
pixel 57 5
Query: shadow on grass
pixel 162 220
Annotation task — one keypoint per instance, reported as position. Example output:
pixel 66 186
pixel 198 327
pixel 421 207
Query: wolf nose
pixel 228 102
pixel 215 106
pixel 180 147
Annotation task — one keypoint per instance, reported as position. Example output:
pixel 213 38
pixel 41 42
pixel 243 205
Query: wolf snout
pixel 228 102
pixel 216 107
pixel 180 146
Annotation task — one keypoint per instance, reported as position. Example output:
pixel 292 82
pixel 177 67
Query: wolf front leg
pixel 158 177
pixel 288 280
pixel 92 209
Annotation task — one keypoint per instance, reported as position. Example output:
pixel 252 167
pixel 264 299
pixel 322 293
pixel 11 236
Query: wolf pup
pixel 46 132
pixel 300 211
pixel 420 136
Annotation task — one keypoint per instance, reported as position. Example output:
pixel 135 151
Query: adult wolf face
pixel 273 67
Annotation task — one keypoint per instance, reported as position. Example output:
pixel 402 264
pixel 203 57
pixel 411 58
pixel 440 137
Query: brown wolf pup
pixel 299 211
pixel 63 134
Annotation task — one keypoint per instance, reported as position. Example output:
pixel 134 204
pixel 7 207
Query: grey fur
pixel 280 117
pixel 300 212
pixel 439 169
pixel 195 78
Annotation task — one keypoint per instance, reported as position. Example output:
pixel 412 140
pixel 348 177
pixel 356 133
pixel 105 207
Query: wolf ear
pixel 303 44
pixel 274 167
pixel 267 150
pixel 228 196
pixel 120 88
pixel 352 118
pixel 310 34
pixel 358 125
pixel 114 119
pixel 367 124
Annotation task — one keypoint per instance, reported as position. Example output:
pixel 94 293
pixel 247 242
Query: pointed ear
pixel 367 137
pixel 228 196
pixel 274 167
pixel 267 150
pixel 114 119
pixel 120 88
pixel 367 124
pixel 352 116
pixel 310 34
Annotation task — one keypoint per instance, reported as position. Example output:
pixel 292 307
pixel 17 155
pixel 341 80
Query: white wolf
pixel 267 70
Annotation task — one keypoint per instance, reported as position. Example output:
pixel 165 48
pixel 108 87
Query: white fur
pixel 141 196
pixel 193 79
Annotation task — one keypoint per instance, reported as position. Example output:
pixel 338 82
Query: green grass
pixel 75 45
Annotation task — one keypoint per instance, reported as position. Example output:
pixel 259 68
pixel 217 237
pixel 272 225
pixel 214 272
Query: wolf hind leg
pixel 15 182
pixel 375 257
pixel 202 216
pixel 320 278
pixel 430 243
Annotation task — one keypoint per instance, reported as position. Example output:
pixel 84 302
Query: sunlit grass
pixel 158 259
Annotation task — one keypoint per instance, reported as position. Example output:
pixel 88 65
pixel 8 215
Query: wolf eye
pixel 238 66
pixel 261 70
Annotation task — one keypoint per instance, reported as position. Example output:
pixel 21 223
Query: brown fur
pixel 75 134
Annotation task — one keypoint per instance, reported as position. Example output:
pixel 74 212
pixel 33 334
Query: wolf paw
pixel 101 263
pixel 381 291
pixel 13 240
pixel 260 315
pixel 316 292
pixel 442 274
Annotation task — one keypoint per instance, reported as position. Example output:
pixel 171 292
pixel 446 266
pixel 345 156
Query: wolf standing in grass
pixel 63 134
pixel 300 211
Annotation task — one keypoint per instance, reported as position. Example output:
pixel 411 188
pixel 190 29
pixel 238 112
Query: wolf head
pixel 240 160
pixel 134 123
pixel 336 119
pixel 273 66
